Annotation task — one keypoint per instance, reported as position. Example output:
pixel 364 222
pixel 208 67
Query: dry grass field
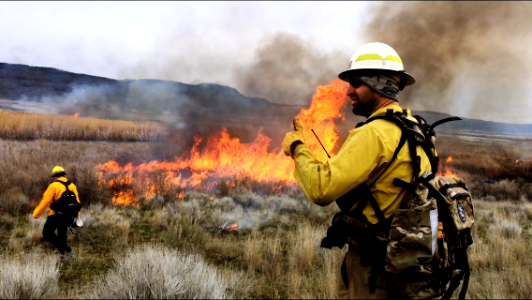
pixel 22 125
pixel 143 251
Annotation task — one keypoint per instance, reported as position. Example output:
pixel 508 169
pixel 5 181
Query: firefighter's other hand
pixel 293 138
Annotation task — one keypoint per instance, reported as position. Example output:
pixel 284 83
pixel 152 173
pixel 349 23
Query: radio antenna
pixel 320 143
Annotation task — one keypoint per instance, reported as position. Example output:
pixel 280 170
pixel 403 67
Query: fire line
pixel 226 156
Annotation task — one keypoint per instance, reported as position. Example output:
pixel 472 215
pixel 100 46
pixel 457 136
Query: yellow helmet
pixel 58 170
pixel 376 57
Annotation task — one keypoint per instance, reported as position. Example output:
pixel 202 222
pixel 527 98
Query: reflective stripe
pixel 378 57
pixel 369 57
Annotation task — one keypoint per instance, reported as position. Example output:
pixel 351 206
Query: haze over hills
pixel 202 107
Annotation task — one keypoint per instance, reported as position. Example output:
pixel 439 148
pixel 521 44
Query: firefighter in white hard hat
pixel 59 221
pixel 365 166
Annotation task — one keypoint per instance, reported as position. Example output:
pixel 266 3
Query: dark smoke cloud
pixel 287 69
pixel 469 58
pixel 282 67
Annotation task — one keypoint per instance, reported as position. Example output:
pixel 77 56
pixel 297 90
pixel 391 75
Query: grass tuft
pixel 29 276
pixel 155 272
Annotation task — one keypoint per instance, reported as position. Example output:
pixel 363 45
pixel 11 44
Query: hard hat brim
pixel 409 79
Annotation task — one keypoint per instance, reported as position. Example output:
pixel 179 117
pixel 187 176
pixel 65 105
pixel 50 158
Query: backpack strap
pixel 363 189
pixel 66 184
pixel 366 193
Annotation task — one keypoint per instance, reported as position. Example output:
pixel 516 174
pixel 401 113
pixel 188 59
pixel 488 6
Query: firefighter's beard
pixel 363 103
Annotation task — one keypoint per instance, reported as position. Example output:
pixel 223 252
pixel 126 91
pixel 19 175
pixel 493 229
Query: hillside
pixel 205 106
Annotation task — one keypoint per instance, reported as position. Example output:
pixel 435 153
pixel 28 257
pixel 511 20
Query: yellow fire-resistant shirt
pixel 362 158
pixel 53 193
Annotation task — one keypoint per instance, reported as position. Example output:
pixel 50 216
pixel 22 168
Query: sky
pixel 111 39
pixel 234 43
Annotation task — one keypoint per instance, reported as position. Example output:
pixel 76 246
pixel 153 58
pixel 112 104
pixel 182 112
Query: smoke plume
pixel 287 69
pixel 469 58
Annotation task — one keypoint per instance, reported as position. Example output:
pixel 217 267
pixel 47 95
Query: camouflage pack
pixel 423 260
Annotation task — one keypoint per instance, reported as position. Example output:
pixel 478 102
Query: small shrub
pixel 151 203
pixel 112 226
pixel 246 198
pixel 123 226
pixel 225 204
pixel 159 218
pixel 109 217
pixel 29 276
pixel 7 222
pixel 285 205
pixel 34 234
pixel 154 272
pixel 182 233
pixel 17 240
pixel 191 208
pixel 508 229
pixel 14 201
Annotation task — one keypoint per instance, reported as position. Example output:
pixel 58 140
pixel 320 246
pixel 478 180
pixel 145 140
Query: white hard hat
pixel 376 56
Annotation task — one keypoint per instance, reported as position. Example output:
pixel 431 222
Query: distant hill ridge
pixel 206 100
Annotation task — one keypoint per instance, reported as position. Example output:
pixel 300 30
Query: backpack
pixel 422 247
pixel 67 205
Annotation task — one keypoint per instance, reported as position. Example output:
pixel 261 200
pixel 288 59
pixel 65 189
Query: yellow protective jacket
pixel 362 158
pixel 53 193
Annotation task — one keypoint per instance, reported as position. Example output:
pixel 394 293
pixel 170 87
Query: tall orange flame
pixel 227 156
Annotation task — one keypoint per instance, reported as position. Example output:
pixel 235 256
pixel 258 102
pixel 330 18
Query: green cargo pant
pixel 353 280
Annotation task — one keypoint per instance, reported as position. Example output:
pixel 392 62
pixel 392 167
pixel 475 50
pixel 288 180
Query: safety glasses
pixel 355 82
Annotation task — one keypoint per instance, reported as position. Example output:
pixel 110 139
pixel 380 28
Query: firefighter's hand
pixel 293 138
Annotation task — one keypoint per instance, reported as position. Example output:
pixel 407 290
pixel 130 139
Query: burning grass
pixel 22 125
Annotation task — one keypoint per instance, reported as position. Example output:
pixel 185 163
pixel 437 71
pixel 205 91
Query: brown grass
pixel 275 253
pixel 493 170
pixel 500 258
pixel 23 125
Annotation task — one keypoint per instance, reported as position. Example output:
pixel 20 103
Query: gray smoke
pixel 469 58
pixel 283 68
pixel 287 69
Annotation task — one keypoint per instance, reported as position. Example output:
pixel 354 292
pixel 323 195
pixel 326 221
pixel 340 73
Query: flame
pixel 123 197
pixel 76 115
pixel 180 195
pixel 234 227
pixel 225 156
pixel 320 116
pixel 448 171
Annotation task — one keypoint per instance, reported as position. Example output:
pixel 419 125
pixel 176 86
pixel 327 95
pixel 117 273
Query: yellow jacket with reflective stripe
pixel 53 193
pixel 362 158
